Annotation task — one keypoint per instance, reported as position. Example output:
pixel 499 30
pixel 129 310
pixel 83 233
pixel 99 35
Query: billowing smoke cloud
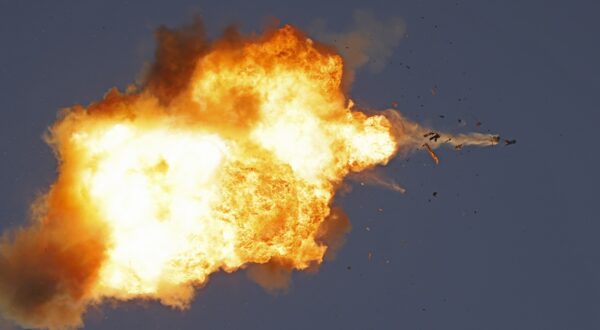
pixel 369 42
pixel 227 157
pixel 44 277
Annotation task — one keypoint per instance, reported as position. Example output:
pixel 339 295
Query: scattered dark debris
pixel 459 120
pixel 435 194
pixel 509 142
pixel 478 124
pixel 423 309
pixel 408 67
pixel 433 136
pixel 458 146
pixel 442 116
pixel 349 268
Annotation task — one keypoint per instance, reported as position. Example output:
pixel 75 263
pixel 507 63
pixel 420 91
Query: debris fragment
pixel 458 146
pixel 509 142
pixel 432 154
pixel 433 136
pixel 435 194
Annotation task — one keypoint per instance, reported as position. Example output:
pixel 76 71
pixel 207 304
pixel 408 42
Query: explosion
pixel 228 156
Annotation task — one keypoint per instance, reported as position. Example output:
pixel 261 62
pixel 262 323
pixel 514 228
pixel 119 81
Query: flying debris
pixel 433 136
pixel 458 147
pixel 509 142
pixel 432 154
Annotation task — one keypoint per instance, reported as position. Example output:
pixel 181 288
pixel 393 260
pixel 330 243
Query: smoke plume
pixel 369 42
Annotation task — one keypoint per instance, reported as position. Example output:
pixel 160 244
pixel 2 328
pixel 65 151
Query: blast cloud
pixel 49 269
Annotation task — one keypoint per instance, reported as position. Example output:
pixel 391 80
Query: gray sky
pixel 510 241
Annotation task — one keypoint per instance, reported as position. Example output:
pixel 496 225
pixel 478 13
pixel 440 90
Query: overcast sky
pixel 509 242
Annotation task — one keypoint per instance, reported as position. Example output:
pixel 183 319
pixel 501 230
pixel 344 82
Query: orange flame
pixel 228 157
pixel 157 190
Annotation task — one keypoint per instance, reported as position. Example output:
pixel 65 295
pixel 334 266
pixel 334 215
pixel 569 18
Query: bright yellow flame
pixel 241 168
